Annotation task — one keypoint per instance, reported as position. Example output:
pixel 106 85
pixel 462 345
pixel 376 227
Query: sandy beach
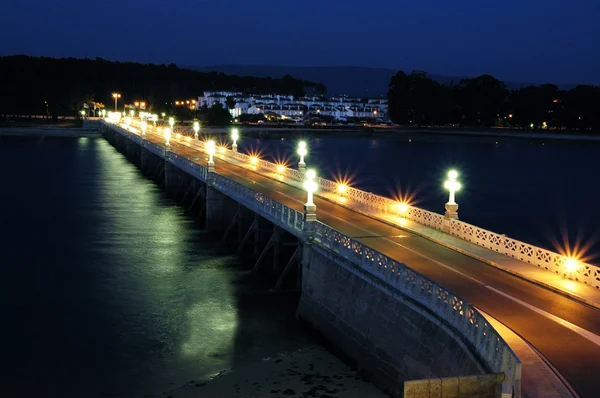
pixel 310 372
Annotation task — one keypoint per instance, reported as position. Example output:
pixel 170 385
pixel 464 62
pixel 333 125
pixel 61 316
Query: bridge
pixel 422 302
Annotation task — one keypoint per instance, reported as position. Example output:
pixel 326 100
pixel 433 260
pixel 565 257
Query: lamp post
pixel 116 96
pixel 196 129
pixel 144 127
pixel 311 187
pixel 235 134
pixel 452 185
pixel 210 147
pixel 167 136
pixel 302 151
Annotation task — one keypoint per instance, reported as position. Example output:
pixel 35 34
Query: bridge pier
pixel 133 152
pixel 171 178
pixel 147 161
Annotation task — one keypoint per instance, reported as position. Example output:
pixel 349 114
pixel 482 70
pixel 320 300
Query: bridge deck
pixel 565 331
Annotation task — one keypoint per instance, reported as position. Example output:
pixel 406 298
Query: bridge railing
pixel 461 315
pixel 542 258
pixel 281 215
pixel 536 256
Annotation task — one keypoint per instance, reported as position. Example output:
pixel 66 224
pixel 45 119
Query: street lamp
pixel 235 134
pixel 210 147
pixel 452 185
pixel 116 96
pixel 311 187
pixel 167 136
pixel 302 151
pixel 82 113
pixel 196 129
pixel 144 127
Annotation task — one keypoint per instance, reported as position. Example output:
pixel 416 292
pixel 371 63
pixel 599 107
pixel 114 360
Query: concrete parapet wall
pixel 483 386
pixel 391 339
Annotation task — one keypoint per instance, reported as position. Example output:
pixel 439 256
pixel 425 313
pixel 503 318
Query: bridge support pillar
pixel 214 208
pixel 172 178
pixel 146 163
pixel 132 152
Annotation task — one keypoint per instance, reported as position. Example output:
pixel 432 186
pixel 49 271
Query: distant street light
pixel 116 96
pixel 171 122
pixel 235 134
pixel 302 151
pixel 82 113
pixel 154 119
pixel 452 185
pixel 196 129
pixel 131 113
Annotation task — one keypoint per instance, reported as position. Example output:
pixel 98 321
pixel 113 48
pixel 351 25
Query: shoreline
pixel 309 372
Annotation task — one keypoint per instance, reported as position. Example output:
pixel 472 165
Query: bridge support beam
pixel 273 242
pixel 293 262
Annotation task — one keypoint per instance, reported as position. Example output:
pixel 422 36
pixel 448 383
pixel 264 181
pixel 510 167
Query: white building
pixel 340 108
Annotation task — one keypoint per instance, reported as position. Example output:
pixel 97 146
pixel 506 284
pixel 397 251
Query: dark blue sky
pixel 515 40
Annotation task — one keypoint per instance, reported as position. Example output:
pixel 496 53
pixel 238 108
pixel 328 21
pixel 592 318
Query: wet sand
pixel 311 372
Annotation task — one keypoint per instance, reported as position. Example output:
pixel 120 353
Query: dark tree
pixel 230 102
pixel 216 115
pixel 481 99
pixel 27 83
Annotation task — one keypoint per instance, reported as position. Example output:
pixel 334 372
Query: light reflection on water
pixel 114 291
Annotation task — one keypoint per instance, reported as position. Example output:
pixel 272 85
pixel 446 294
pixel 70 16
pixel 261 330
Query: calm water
pixel 535 191
pixel 108 290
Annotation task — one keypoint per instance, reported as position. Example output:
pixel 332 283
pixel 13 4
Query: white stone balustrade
pixel 461 315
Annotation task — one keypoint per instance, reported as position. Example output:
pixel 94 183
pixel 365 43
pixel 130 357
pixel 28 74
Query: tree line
pixel 416 99
pixel 60 86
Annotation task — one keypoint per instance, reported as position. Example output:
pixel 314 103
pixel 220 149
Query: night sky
pixel 516 40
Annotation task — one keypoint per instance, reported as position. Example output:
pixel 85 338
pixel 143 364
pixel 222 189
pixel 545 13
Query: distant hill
pixel 351 80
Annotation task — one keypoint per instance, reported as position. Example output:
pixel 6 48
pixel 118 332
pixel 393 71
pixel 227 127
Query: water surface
pixel 109 290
